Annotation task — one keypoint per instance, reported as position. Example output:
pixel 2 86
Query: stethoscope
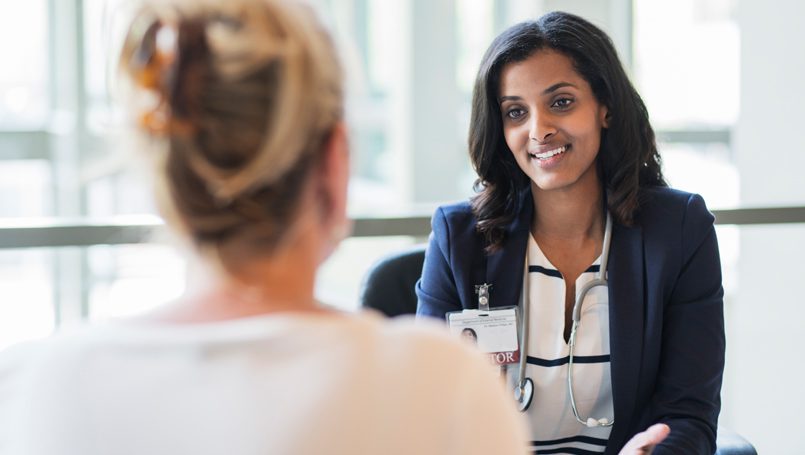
pixel 524 391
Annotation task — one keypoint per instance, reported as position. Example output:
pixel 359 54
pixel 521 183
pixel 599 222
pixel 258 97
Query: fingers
pixel 656 433
pixel 644 442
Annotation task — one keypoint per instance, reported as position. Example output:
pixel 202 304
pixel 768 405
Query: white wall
pixel 763 396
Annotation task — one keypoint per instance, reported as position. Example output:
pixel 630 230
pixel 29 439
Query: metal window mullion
pixel 621 13
pixel 84 235
pixel 67 133
pixel 23 145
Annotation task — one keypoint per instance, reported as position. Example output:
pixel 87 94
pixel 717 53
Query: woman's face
pixel 551 121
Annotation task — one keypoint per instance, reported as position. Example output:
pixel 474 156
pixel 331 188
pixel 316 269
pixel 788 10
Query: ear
pixel 335 169
pixel 334 180
pixel 604 116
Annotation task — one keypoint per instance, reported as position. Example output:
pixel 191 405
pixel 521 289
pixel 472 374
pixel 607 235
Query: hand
pixel 643 443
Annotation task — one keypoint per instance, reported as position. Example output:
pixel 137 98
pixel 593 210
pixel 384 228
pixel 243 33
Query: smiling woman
pixel 568 172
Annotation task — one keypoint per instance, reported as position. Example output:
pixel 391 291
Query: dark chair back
pixel 389 284
pixel 731 443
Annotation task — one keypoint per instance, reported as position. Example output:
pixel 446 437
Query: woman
pixel 241 105
pixel 570 190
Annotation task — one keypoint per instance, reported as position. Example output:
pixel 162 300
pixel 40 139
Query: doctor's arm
pixel 687 392
pixel 436 289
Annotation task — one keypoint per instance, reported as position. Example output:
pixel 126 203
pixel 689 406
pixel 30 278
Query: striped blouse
pixel 553 427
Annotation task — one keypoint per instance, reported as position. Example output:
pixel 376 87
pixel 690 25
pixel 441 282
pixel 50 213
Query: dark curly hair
pixel 628 157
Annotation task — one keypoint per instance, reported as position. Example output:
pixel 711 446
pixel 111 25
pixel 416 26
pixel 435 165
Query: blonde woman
pixel 240 103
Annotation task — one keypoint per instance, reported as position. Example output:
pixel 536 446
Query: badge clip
pixel 483 296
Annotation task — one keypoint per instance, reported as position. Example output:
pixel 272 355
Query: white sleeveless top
pixel 553 427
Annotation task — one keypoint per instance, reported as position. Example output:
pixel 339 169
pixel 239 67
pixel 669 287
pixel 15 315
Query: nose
pixel 542 128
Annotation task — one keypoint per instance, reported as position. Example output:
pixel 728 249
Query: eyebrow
pixel 547 91
pixel 557 86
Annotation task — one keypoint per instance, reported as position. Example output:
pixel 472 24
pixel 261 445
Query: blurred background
pixel 79 238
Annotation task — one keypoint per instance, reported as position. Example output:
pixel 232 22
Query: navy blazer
pixel 666 317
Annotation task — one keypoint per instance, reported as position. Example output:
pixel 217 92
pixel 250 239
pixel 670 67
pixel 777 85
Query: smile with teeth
pixel 548 154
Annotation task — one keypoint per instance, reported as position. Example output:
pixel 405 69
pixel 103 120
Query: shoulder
pixel 675 224
pixel 16 360
pixel 420 338
pixel 33 372
pixel 55 351
pixel 455 215
pixel 62 342
pixel 441 386
pixel 455 223
pixel 424 347
pixel 422 356
pixel 663 207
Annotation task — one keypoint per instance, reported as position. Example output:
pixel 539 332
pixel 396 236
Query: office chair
pixel 389 285
pixel 389 288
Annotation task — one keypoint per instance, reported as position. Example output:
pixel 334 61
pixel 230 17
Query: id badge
pixel 493 331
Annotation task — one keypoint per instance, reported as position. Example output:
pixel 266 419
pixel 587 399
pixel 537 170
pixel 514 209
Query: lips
pixel 549 153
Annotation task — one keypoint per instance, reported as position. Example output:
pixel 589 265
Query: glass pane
pixel 475 32
pixel 29 181
pixel 764 314
pixel 706 169
pixel 371 49
pixel 130 279
pixel 104 28
pixel 24 78
pixel 120 193
pixel 686 62
pixel 26 284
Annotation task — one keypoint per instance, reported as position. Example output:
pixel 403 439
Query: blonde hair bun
pixel 240 95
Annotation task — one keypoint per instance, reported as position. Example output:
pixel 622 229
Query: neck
pixel 575 213
pixel 281 282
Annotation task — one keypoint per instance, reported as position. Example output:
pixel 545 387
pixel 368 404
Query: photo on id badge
pixel 493 332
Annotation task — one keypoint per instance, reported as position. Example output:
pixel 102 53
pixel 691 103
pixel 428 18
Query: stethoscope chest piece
pixel 523 394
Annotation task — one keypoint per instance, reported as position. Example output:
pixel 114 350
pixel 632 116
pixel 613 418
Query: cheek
pixel 595 140
pixel 513 140
pixel 589 132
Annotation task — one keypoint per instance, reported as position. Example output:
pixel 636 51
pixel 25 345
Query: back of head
pixel 236 99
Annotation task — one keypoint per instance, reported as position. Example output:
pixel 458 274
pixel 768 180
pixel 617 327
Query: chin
pixel 551 184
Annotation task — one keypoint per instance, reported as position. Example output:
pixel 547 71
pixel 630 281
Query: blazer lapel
pixel 626 327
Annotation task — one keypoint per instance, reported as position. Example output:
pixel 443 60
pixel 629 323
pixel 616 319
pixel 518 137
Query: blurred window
pixel 24 78
pixel 686 68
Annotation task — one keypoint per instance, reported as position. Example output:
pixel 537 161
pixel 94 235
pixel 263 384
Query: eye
pixel 515 113
pixel 562 103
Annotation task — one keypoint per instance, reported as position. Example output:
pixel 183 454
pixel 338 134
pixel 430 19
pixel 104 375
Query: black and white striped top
pixel 553 427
